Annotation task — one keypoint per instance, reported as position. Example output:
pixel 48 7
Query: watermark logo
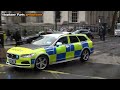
pixel 22 14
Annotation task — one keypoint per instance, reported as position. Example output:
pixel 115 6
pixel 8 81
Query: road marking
pixel 56 75
pixel 2 65
pixel 58 72
pixel 2 72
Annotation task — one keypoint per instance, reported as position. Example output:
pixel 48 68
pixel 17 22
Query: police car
pixel 51 49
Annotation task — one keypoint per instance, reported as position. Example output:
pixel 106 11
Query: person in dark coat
pixel 25 32
pixel 17 37
pixel 102 32
pixel 8 35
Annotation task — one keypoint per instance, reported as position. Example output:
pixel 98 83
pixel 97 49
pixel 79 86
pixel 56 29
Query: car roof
pixel 59 35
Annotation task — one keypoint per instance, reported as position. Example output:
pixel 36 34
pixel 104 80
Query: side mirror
pixel 58 44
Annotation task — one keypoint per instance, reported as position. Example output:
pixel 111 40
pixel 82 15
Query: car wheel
pixel 85 55
pixel 41 62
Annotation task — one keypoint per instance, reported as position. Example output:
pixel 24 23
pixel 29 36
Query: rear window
pixel 82 38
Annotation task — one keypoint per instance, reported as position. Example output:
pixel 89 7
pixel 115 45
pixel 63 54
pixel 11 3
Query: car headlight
pixel 27 55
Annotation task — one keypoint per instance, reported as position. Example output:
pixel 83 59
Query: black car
pixel 84 31
pixel 29 39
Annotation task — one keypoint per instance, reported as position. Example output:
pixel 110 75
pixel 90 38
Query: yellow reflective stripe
pixel 77 46
pixel 90 43
pixel 70 54
pixel 52 58
pixel 59 50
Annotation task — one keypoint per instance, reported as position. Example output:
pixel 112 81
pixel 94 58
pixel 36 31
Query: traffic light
pixel 57 14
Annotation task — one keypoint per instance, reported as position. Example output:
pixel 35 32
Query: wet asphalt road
pixel 71 70
pixel 74 69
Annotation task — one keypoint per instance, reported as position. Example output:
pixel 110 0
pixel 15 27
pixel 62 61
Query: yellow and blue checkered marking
pixel 77 53
pixel 67 51
pixel 61 56
pixel 84 44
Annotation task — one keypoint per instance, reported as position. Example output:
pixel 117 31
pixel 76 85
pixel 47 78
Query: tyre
pixel 41 62
pixel 85 55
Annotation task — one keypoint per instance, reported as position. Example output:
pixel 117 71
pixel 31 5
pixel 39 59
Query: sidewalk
pixel 8 43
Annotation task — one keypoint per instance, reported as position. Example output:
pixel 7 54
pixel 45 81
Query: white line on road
pixel 58 72
pixel 2 72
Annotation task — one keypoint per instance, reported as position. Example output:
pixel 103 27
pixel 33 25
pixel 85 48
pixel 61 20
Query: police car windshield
pixel 44 41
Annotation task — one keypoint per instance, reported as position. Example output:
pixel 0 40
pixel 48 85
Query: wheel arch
pixel 85 49
pixel 45 54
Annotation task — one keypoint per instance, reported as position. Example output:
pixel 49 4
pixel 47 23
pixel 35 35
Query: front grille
pixel 12 56
pixel 25 62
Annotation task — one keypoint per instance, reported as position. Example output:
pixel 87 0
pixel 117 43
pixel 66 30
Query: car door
pixel 75 47
pixel 83 41
pixel 86 43
pixel 61 50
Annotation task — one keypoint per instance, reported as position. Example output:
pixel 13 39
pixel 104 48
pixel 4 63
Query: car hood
pixel 32 46
pixel 24 49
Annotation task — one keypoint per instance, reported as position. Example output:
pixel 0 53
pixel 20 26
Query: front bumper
pixel 20 66
pixel 19 63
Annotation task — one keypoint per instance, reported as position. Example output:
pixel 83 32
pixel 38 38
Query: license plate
pixel 12 61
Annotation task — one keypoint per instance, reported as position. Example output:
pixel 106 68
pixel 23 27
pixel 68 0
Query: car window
pixel 64 40
pixel 45 40
pixel 82 38
pixel 73 39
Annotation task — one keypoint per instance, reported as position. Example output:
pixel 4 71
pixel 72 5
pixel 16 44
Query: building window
pixel 23 19
pixel 74 16
pixel 40 18
pixel 58 16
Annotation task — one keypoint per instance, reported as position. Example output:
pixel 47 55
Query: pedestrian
pixel 8 35
pixel 17 37
pixel 100 32
pixel 25 32
pixel 104 31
